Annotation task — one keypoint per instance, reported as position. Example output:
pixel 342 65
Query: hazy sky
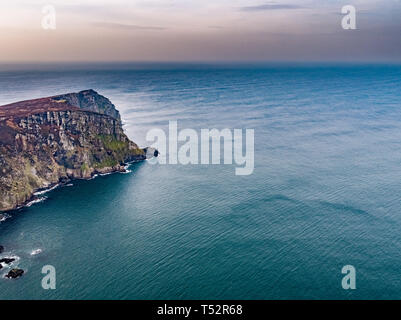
pixel 199 30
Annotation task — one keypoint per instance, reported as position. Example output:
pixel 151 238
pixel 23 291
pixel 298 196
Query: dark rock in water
pixel 1 266
pixel 7 260
pixel 63 180
pixel 151 152
pixel 1 249
pixel 15 273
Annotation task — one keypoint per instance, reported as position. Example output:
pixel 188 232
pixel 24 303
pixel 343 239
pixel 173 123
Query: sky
pixel 199 30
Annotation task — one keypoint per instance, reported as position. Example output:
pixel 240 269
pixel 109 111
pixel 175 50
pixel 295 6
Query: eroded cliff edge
pixel 51 140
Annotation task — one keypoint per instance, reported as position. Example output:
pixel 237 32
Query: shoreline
pixel 36 196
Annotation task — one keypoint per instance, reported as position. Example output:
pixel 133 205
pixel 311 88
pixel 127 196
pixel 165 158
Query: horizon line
pixel 363 61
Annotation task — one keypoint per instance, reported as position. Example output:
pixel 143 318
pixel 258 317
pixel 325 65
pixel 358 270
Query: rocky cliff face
pixel 90 100
pixel 51 140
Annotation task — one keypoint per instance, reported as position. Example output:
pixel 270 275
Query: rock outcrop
pixel 50 140
pixel 92 101
pixel 15 273
pixel 7 260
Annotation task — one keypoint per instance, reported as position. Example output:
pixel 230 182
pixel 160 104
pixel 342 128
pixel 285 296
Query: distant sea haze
pixel 324 192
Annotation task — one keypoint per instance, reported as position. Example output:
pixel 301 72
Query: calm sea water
pixel 326 190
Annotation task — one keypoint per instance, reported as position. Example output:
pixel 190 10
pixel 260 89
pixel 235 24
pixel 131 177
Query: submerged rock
pixel 15 273
pixel 35 252
pixel 1 249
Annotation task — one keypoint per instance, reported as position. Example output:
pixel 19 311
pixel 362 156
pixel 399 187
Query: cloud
pixel 122 26
pixel 271 6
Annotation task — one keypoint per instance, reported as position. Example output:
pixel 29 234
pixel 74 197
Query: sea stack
pixel 52 140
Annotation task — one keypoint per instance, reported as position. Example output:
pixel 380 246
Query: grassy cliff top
pixel 88 100
pixel 34 106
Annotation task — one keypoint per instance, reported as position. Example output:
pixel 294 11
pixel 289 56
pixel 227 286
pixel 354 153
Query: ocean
pixel 325 191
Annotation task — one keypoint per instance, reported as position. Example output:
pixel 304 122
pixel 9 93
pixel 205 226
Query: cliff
pixel 50 140
pixel 90 100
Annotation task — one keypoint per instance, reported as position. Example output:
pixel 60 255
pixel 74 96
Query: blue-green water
pixel 325 191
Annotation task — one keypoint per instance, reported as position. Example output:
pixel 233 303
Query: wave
pixel 4 217
pixel 35 252
pixel 13 263
pixel 105 174
pixel 35 201
pixel 38 193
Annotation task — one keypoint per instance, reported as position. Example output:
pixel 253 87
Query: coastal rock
pixel 7 260
pixel 151 152
pixel 53 140
pixel 15 273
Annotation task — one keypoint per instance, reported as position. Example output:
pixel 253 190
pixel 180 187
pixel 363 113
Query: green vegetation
pixel 84 167
pixel 110 142
pixel 108 162
pixel 60 101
